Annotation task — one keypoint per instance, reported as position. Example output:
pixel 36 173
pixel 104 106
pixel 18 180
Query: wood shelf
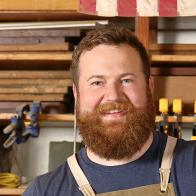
pixel 49 5
pixel 177 58
pixel 70 117
pixel 12 191
pixel 32 56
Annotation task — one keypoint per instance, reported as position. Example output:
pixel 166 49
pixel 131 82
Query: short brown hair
pixel 109 36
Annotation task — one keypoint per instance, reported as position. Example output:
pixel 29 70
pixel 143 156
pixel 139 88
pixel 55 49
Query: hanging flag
pixel 128 8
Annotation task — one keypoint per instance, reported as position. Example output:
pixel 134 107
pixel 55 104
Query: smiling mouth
pixel 114 113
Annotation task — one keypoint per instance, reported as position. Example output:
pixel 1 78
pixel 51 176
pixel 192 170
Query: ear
pixel 151 84
pixel 75 92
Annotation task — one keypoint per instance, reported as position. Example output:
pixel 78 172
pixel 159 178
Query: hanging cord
pixel 75 129
pixel 9 180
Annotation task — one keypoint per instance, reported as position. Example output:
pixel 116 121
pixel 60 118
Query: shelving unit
pixel 21 81
pixel 11 191
pixel 70 117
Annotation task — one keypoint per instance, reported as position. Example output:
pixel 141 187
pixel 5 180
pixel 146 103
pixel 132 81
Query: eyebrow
pixel 102 77
pixel 96 76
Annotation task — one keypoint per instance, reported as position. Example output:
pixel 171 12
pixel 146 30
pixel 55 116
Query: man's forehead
pixel 109 57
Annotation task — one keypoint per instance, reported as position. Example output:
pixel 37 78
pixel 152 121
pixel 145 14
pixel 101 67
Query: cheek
pixel 137 96
pixel 89 100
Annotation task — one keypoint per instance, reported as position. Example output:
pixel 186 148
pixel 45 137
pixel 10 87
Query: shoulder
pixel 49 182
pixel 185 151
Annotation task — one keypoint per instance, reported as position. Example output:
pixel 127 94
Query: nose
pixel 114 92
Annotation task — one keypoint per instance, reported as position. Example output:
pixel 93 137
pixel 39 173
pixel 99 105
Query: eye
pixel 126 81
pixel 96 83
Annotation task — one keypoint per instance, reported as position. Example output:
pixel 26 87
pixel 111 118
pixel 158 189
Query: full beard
pixel 117 139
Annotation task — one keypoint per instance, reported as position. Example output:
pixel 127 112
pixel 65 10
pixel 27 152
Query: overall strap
pixel 167 162
pixel 84 185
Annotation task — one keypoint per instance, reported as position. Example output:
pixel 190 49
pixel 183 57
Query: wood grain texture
pixel 26 56
pixel 175 87
pixel 22 5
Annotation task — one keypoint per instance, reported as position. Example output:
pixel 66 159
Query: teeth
pixel 113 111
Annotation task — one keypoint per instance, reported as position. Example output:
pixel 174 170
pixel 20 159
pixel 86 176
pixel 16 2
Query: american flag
pixel 165 8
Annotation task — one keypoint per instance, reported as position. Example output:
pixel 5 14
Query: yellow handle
pixel 193 137
pixel 195 107
pixel 163 105
pixel 177 106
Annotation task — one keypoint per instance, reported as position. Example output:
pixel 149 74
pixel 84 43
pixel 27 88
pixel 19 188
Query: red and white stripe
pixel 127 8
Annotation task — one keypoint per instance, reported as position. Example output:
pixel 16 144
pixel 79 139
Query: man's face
pixel 111 101
pixel 110 73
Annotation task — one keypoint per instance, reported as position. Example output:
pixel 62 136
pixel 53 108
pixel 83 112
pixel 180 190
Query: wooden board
pixel 173 71
pixel 33 47
pixel 49 82
pixel 39 5
pixel 26 56
pixel 66 32
pixel 35 74
pixel 172 47
pixel 171 87
pixel 11 191
pixel 173 58
pixel 31 97
pixel 70 117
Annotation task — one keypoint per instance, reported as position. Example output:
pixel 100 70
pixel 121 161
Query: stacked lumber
pixel 22 75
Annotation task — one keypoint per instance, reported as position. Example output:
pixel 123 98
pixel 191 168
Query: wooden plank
pixel 70 117
pixel 40 89
pixel 172 47
pixel 45 15
pixel 50 82
pixel 67 32
pixel 142 30
pixel 42 117
pixel 34 47
pixel 31 40
pixel 26 56
pixel 39 5
pixel 35 74
pixel 175 87
pixel 173 58
pixel 171 119
pixel 11 191
pixel 173 71
pixel 31 97
pixel 153 23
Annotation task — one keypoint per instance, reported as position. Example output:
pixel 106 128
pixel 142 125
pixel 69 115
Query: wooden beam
pixel 31 89
pixel 173 71
pixel 171 119
pixel 31 97
pixel 11 191
pixel 35 74
pixel 70 117
pixel 173 58
pixel 66 32
pixel 33 47
pixel 172 47
pixel 142 30
pixel 176 87
pixel 29 56
pixel 49 82
pixel 153 25
pixel 39 5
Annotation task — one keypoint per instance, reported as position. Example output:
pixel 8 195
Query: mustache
pixel 121 106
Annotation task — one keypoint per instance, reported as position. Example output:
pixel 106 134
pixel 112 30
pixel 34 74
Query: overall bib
pixel 164 188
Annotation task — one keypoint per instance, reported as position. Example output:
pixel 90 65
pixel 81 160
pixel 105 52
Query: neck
pixel 95 158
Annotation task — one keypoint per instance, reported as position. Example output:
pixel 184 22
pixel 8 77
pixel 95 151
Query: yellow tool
pixel 163 109
pixel 9 180
pixel 177 110
pixel 194 125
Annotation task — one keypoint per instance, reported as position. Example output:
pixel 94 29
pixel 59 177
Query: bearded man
pixel 115 113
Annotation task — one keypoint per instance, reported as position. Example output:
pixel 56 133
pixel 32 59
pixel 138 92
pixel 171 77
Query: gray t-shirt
pixel 143 171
